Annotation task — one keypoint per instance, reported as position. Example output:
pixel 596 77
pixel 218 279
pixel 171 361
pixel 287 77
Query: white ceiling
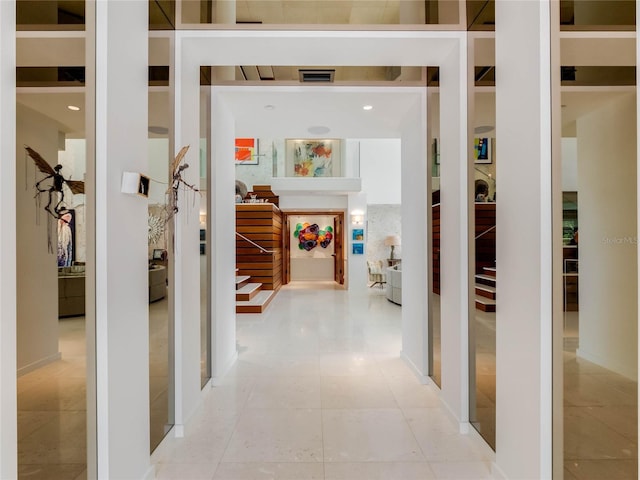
pixel 339 109
pixel 298 108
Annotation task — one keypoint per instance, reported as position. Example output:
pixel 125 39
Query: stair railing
pixel 262 250
pixel 485 232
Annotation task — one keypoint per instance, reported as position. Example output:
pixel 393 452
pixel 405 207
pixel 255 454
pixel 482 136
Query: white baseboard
pixel 602 362
pixel 221 372
pixel 150 473
pixel 40 363
pixel 497 472
pixel 424 379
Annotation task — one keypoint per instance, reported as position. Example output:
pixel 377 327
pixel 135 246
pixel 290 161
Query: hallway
pixel 319 392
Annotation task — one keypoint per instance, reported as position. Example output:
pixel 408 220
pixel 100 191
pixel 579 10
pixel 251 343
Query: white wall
pixel 608 242
pixel 380 170
pixel 569 164
pixel 382 221
pixel 37 266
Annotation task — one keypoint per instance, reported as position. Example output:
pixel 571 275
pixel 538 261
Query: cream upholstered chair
pixel 376 272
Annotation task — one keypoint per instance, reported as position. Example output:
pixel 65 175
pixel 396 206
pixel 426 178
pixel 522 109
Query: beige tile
pixel 348 364
pixel 204 442
pixel 269 471
pixel 30 421
pixel 285 392
pixel 368 435
pixel 230 395
pixel 586 437
pixel 591 390
pixel 182 471
pixel 602 469
pixel 57 393
pixel 50 471
pixel 409 393
pixel 439 439
pixel 378 471
pixel 270 435
pixel 60 441
pixel 462 470
pixel 357 392
pixel 272 365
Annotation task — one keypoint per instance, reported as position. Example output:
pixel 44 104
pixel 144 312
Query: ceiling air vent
pixel 316 76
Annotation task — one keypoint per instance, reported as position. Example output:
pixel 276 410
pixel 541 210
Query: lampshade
pixel 392 240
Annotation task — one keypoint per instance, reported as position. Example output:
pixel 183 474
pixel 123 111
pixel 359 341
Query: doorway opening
pixel 313 247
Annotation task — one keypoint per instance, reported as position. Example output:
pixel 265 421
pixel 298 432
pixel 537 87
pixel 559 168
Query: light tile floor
pixel 319 392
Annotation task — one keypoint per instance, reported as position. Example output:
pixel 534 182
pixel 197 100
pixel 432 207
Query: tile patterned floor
pixel 319 392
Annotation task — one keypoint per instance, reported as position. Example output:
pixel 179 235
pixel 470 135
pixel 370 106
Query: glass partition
pixel 435 363
pixel 482 321
pixel 205 268
pixel 599 284
pixel 161 365
pixel 53 347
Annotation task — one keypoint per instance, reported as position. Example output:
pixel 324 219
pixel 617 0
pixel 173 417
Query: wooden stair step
pixel 485 304
pixel 491 271
pixel 242 280
pixel 247 292
pixel 485 279
pixel 486 291
pixel 257 304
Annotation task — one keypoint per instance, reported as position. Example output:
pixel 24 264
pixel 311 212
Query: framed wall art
pixel 313 158
pixel 482 150
pixel 246 151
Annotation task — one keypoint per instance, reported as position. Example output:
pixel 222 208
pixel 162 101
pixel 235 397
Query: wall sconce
pixel 357 217
pixel 203 219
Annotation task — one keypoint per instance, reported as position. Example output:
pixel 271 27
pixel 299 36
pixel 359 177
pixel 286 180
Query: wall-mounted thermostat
pixel 135 184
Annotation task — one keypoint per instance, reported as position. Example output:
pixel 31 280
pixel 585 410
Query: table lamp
pixel 392 241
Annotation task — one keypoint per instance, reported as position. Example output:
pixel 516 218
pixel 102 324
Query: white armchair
pixel 377 274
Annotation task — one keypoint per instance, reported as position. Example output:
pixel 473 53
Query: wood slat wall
pixel 435 238
pixel 262 224
pixel 485 245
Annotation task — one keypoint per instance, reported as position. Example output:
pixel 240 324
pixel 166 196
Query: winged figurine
pixel 176 169
pixel 57 183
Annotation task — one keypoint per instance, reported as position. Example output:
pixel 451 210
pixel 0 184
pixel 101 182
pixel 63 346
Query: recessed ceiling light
pixel 318 130
pixel 483 129
pixel 158 130
pixel 368 107
pixel 73 107
pixel 269 107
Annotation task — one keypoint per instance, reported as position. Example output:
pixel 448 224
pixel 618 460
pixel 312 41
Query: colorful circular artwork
pixel 309 235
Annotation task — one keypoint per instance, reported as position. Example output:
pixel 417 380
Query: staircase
pixel 486 290
pixel 250 297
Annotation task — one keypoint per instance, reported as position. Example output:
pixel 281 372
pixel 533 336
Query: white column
pixel 120 239
pixel 523 244
pixel 415 216
pixel 186 292
pixel 454 231
pixel 223 239
pixel 8 407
